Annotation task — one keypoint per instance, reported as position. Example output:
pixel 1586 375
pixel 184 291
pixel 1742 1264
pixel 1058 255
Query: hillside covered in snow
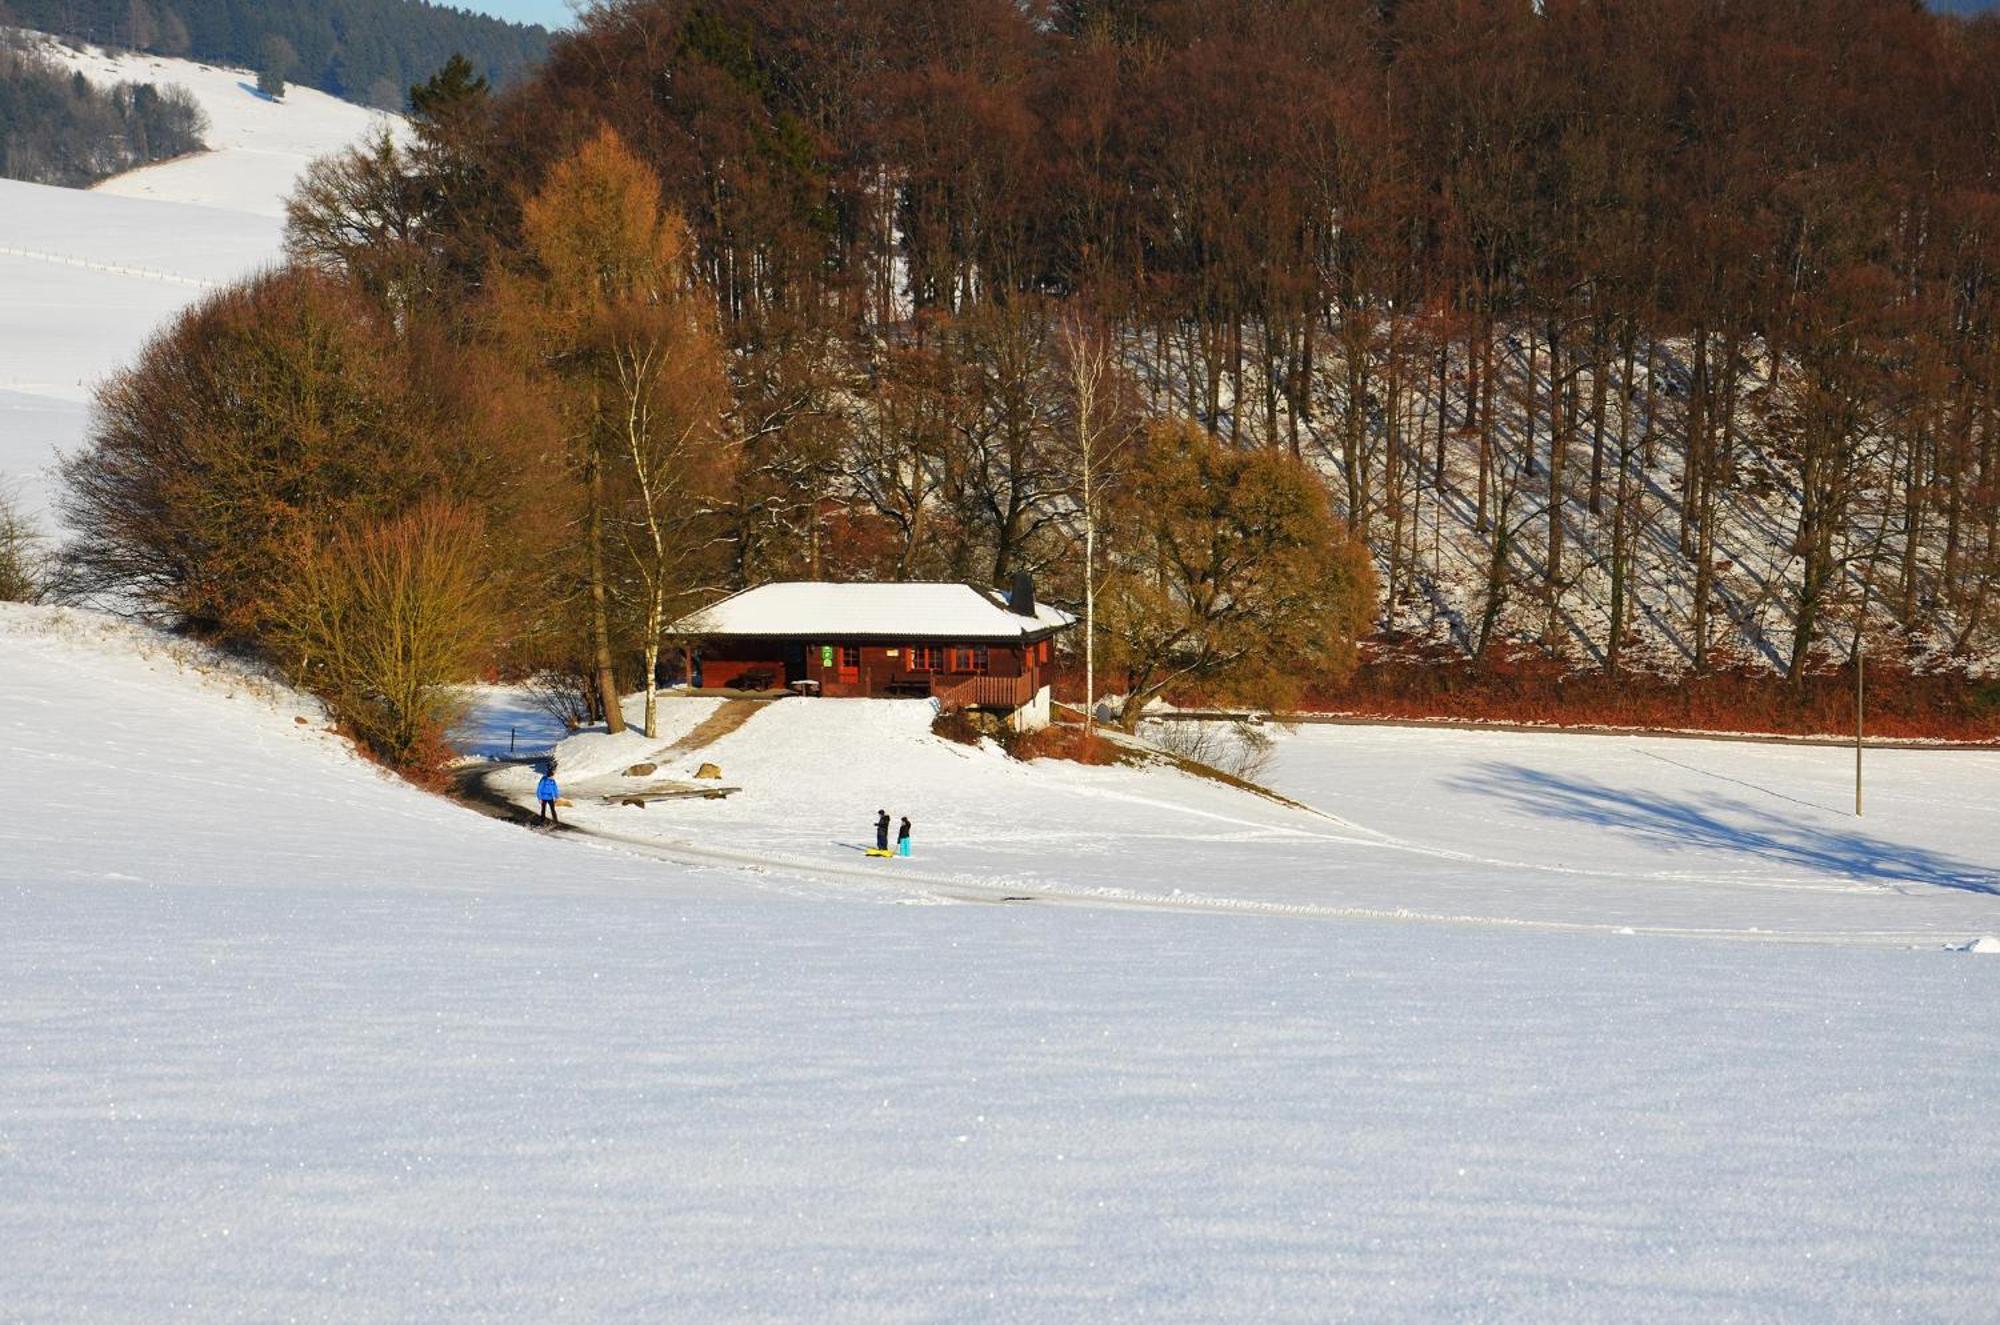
pixel 90 275
pixel 1606 834
pixel 1417 1025
pixel 258 146
pixel 364 51
pixel 282 1036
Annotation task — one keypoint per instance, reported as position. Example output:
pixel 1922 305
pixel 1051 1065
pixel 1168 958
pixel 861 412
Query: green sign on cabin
pixel 826 655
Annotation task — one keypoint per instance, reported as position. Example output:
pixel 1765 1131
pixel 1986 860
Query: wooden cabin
pixel 965 647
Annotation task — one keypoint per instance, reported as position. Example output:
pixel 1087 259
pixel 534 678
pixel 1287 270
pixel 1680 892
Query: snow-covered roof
pixel 892 611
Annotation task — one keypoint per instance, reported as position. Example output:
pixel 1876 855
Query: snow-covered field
pixel 1469 1031
pixel 1551 831
pixel 87 276
pixel 258 146
pixel 281 1037
pixel 87 279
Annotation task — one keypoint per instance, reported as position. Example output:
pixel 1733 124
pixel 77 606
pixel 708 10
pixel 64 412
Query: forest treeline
pixel 58 128
pixel 1679 317
pixel 368 51
pixel 1572 271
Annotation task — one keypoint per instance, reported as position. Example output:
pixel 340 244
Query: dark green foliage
pixel 56 128
pixel 363 50
pixel 453 94
pixel 275 65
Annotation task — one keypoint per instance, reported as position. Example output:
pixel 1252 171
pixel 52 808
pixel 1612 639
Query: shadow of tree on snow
pixel 1723 824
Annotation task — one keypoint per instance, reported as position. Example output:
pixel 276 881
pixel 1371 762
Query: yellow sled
pixel 878 851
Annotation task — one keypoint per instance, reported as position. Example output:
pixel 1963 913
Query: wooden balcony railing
pixel 984 692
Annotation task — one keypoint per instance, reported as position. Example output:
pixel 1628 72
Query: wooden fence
pixel 986 692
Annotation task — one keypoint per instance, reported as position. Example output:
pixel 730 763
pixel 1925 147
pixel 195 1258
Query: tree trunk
pixel 1599 363
pixel 600 598
pixel 1559 424
pixel 1089 614
pixel 1621 572
pixel 1483 359
pixel 653 678
pixel 1696 428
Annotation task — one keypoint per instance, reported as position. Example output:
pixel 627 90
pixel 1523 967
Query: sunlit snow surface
pixel 258 146
pixel 283 1038
pixel 1604 833
pixel 87 276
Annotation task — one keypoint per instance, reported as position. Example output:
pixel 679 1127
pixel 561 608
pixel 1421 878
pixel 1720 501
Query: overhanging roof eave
pixel 1039 632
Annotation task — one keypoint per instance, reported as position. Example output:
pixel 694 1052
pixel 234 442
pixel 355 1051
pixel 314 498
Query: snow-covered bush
pixel 1240 749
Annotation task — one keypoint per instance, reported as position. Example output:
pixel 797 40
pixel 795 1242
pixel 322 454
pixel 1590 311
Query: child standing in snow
pixel 903 837
pixel 546 792
pixel 882 831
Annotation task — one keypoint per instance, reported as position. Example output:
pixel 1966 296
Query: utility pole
pixel 1089 608
pixel 1860 690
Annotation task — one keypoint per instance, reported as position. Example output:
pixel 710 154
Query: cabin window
pixel 926 658
pixel 850 662
pixel 974 659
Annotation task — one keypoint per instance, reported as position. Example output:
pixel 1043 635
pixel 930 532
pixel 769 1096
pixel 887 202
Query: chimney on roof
pixel 1022 600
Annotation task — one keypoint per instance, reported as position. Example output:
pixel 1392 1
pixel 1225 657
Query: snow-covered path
pixel 281 1037
pixel 1553 832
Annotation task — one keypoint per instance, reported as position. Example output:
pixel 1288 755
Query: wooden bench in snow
pixel 670 791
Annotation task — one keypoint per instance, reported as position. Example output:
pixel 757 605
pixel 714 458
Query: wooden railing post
pixel 1008 692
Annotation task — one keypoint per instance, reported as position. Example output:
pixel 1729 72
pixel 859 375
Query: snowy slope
pixel 202 761
pixel 1519 830
pixel 258 146
pixel 86 277
pixel 283 1038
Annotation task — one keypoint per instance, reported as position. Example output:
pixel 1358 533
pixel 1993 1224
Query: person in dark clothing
pixel 546 792
pixel 881 830
pixel 903 837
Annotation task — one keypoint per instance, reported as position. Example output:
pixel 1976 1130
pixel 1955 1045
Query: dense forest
pixel 57 128
pixel 1657 271
pixel 1649 344
pixel 369 51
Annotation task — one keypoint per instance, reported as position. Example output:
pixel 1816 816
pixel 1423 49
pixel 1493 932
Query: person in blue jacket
pixel 546 792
